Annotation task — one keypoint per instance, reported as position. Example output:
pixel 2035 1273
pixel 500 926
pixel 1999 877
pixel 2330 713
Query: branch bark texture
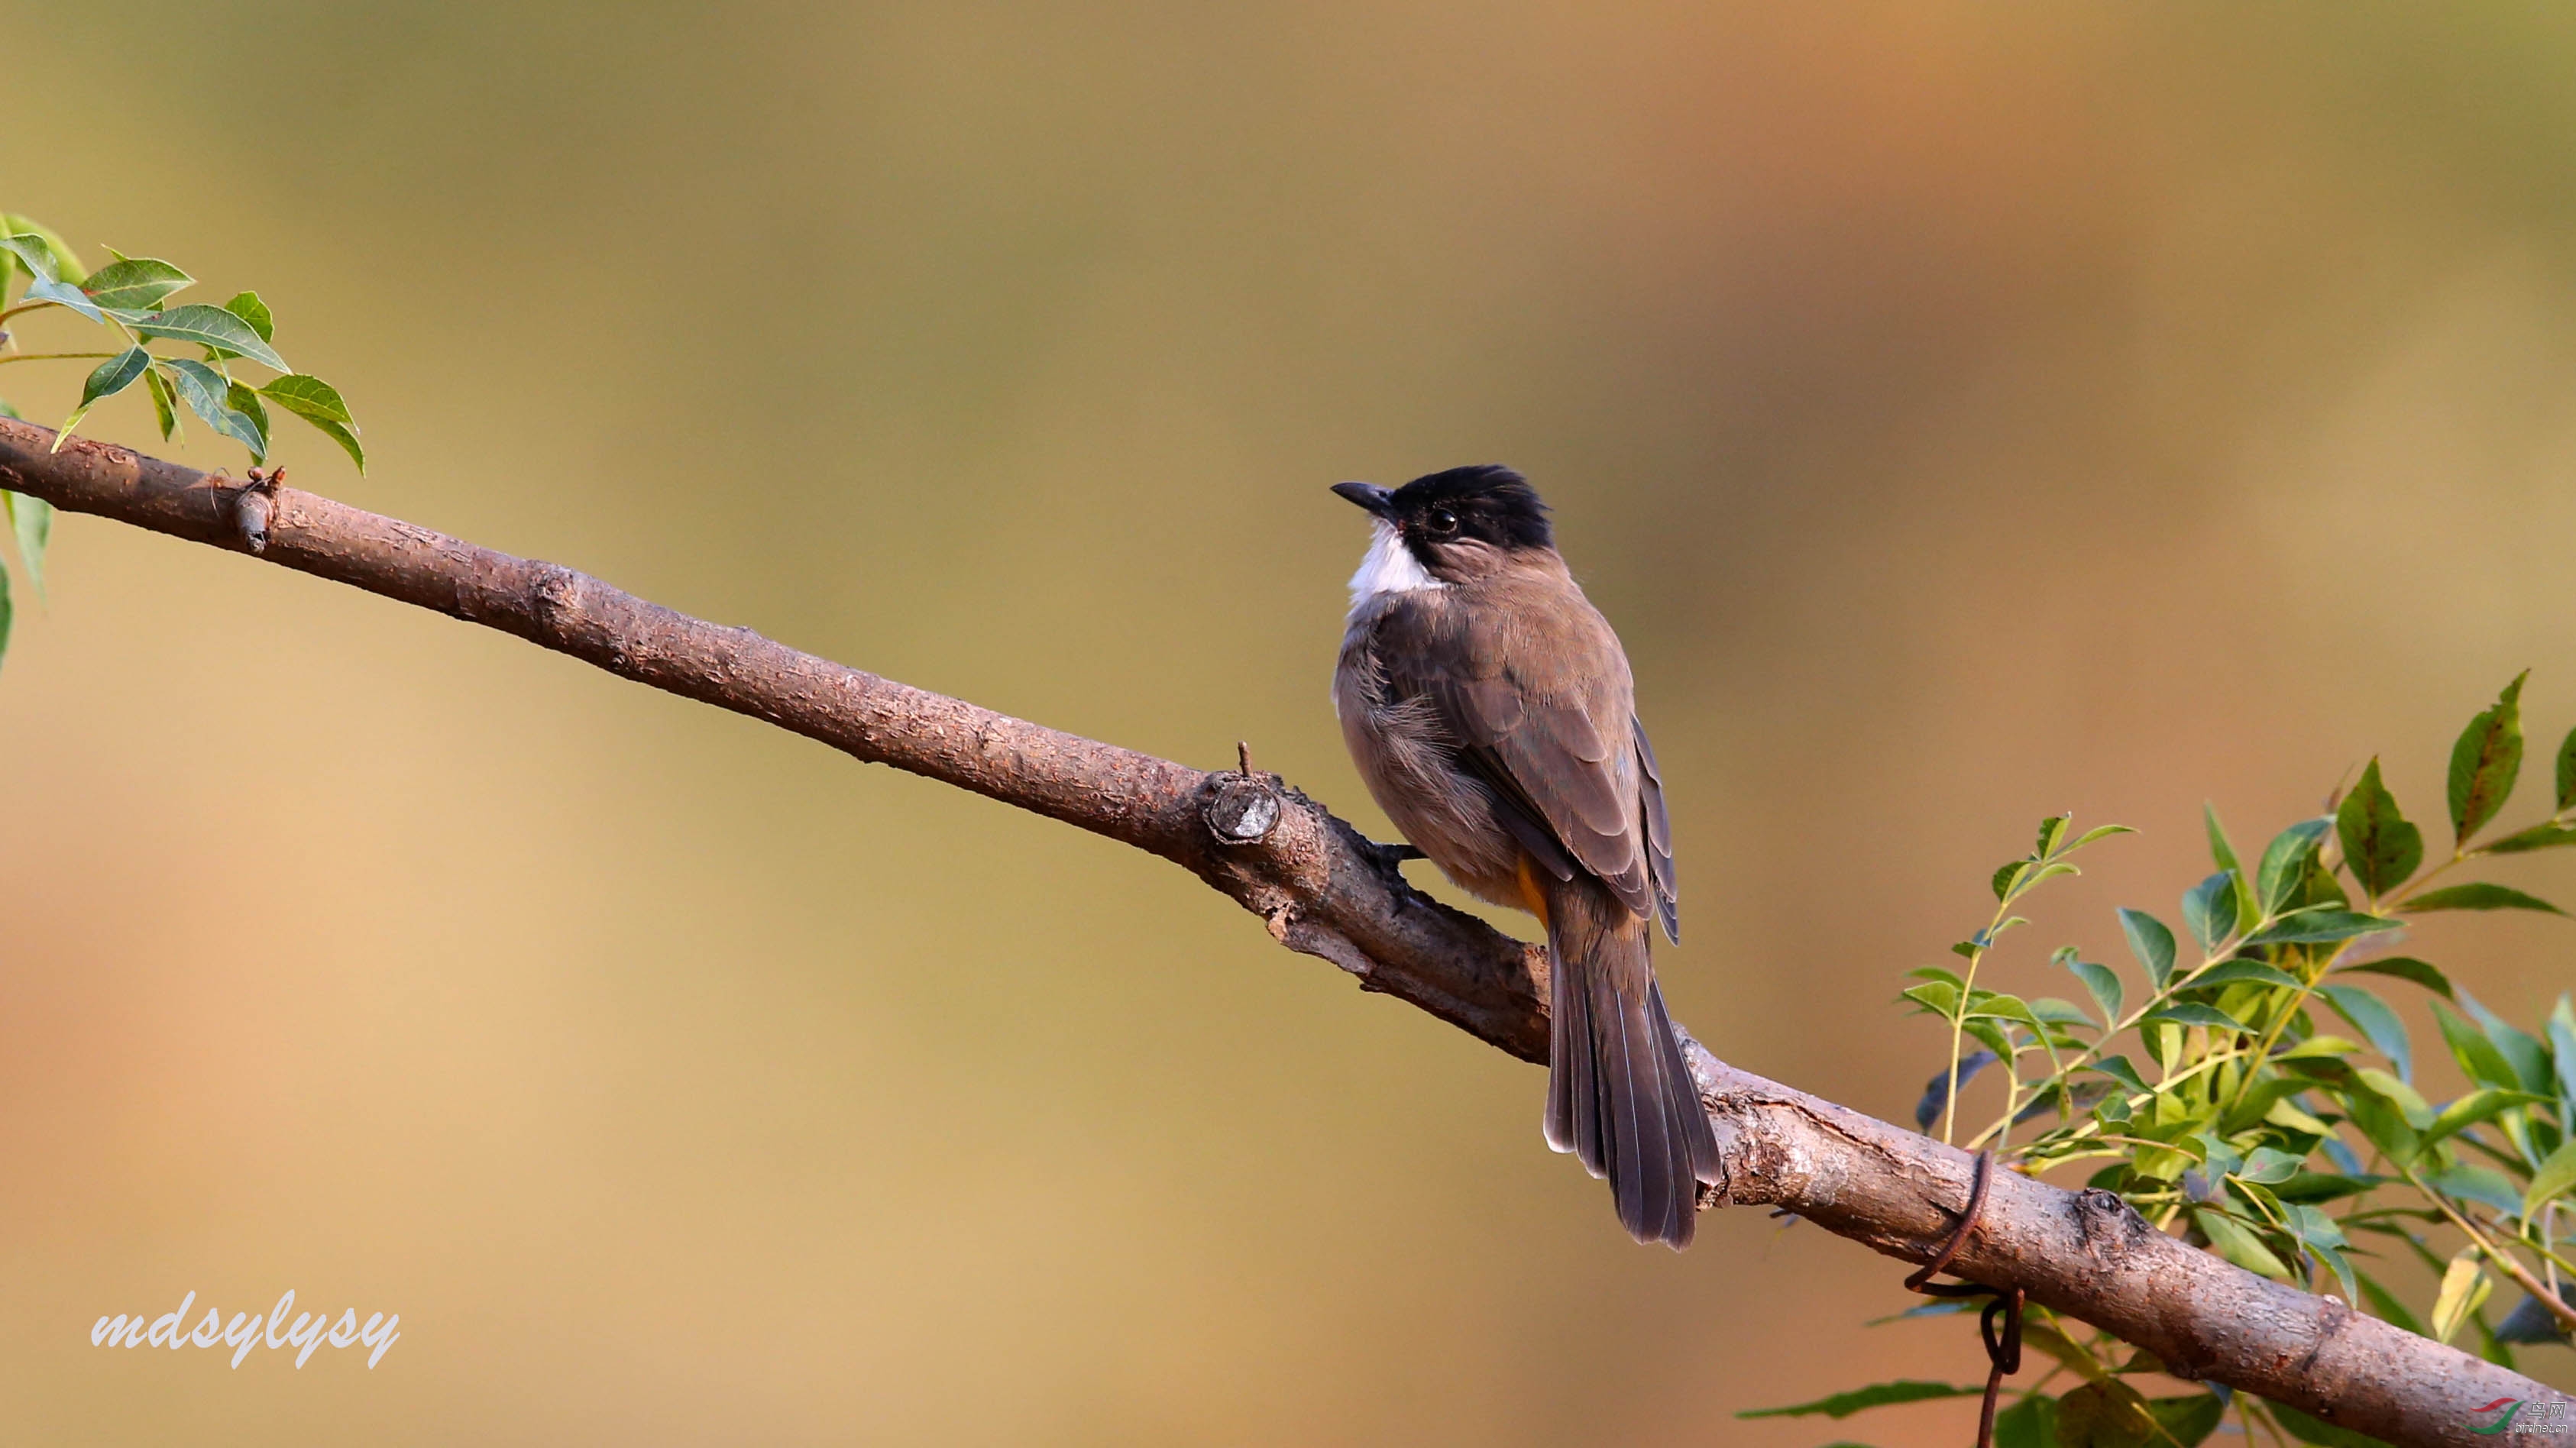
pixel 1324 889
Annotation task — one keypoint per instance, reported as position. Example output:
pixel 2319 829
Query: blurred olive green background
pixel 1965 413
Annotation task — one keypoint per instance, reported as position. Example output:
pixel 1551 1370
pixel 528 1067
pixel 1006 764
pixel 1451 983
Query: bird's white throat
pixel 1390 567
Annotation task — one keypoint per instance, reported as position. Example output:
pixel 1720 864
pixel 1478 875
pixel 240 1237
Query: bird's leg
pixel 1390 859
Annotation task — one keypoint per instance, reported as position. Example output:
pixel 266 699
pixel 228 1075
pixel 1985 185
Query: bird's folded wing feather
pixel 1659 836
pixel 1549 730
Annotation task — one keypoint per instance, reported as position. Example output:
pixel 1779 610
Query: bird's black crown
pixel 1487 501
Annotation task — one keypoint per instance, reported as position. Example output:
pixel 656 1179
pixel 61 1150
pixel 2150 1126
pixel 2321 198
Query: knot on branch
pixel 2100 1207
pixel 252 507
pixel 1242 808
pixel 2109 1225
pixel 551 597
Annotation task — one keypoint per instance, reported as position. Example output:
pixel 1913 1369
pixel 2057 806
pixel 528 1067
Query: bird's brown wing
pixel 1534 689
pixel 1659 836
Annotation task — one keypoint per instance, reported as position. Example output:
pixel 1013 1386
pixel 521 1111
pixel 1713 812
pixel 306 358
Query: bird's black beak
pixel 1368 495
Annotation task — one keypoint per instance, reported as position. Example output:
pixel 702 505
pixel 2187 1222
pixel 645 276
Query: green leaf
pixel 31 519
pixel 2312 1430
pixel 2119 1069
pixel 7 613
pixel 2379 846
pixel 136 284
pixel 2555 1178
pixel 2337 1262
pixel 2217 1157
pixel 2543 836
pixel 2310 1186
pixel 2377 1023
pixel 1877 1395
pixel 61 263
pixel 2269 1166
pixel 1936 1092
pixel 2059 1012
pixel 30 254
pixel 2030 1423
pixel 34 249
pixel 2530 1058
pixel 2098 832
pixel 246 402
pixel 2285 862
pixel 307 397
pixel 2209 910
pixel 2230 1239
pixel 2265 1092
pixel 2403 967
pixel 2567 773
pixel 251 309
pixel 62 294
pixel 2464 1289
pixel 2193 1013
pixel 2099 982
pixel 2236 972
pixel 316 402
pixel 2104 1415
pixel 2384 1125
pixel 208 394
pixel 106 380
pixel 2530 1322
pixel 2049 871
pixel 165 406
pixel 2484 895
pixel 2480 1059
pixel 2321 925
pixel 2006 876
pixel 1995 1005
pixel 2189 1419
pixel 2039 1336
pixel 2221 852
pixel 2225 854
pixel 2485 761
pixel 1988 1034
pixel 2468 1182
pixel 2562 1049
pixel 211 327
pixel 2317 886
pixel 2151 943
pixel 2484 1104
pixel 2400 1094
pixel 2051 831
pixel 113 376
pixel 2311 1225
pixel 2116 1068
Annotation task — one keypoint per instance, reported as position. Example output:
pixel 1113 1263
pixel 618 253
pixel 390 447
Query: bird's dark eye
pixel 1440 522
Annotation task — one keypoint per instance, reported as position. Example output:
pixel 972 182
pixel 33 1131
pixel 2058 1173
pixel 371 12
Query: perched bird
pixel 1490 708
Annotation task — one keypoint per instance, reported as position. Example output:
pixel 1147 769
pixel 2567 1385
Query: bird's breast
pixel 1408 758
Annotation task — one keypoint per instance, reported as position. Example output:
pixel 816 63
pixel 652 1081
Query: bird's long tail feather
pixel 1619 1095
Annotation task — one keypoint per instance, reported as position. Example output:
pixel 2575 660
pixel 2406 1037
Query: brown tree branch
pixel 1325 890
